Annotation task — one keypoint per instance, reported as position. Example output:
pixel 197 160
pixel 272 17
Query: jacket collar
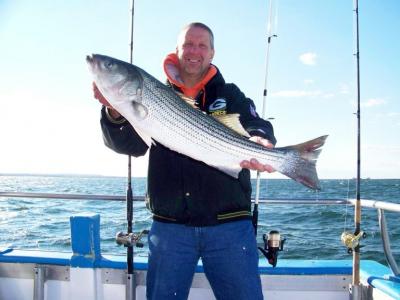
pixel 171 69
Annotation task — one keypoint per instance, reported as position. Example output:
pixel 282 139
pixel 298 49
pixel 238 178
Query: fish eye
pixel 108 64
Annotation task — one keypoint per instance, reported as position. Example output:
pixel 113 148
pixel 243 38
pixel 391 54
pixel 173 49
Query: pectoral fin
pixel 140 111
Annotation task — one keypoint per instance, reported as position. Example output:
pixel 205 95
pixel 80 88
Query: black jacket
pixel 181 189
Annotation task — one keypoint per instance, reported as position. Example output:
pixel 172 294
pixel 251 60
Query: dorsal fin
pixel 232 121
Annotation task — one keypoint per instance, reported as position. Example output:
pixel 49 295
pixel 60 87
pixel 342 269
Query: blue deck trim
pixel 381 277
pixel 119 262
pixel 36 257
pixel 307 267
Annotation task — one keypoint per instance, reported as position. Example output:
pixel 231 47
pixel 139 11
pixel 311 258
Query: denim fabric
pixel 228 252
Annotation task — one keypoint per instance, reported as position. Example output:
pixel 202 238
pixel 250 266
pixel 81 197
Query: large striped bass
pixel 159 115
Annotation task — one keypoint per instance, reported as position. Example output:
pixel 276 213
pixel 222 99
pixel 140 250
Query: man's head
pixel 195 50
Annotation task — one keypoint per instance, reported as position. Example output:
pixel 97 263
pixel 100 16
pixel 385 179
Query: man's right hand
pixel 99 96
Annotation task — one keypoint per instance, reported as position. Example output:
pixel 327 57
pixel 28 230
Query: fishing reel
pixel 352 241
pixel 272 245
pixel 130 239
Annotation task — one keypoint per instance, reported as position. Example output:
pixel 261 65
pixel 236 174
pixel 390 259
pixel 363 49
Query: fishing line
pixel 346 206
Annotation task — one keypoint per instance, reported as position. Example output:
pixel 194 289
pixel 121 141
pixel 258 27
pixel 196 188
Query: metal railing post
pixel 386 243
pixel 38 283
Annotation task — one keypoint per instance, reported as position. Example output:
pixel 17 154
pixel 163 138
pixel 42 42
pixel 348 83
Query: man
pixel 198 211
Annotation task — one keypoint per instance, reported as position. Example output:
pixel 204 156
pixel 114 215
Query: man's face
pixel 194 52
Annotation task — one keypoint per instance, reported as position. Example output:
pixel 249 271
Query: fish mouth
pixel 89 59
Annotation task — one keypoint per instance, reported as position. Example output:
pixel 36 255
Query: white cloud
pixel 296 94
pixel 308 81
pixel 373 102
pixel 329 95
pixel 308 58
pixel 393 114
pixel 343 88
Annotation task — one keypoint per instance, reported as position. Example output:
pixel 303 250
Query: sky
pixel 49 121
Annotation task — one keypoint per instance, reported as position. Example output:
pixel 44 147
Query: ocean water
pixel 311 231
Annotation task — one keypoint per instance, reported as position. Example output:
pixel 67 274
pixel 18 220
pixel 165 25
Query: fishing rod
pixel 272 241
pixel 356 293
pixel 352 240
pixel 130 282
pixel 265 92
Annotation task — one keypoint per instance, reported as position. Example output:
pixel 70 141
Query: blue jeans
pixel 228 252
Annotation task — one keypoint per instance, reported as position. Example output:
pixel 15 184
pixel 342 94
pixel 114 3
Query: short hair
pixel 203 26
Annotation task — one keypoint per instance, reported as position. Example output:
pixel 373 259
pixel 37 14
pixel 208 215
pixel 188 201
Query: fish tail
pixel 301 166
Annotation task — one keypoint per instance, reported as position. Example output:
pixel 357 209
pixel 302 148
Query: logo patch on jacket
pixel 253 111
pixel 218 107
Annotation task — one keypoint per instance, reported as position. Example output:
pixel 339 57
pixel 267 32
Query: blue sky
pixel 50 123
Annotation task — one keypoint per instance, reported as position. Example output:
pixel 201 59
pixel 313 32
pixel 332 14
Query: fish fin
pixel 232 121
pixel 141 112
pixel 302 165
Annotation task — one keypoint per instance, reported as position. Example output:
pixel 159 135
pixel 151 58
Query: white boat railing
pixel 380 206
pixel 389 206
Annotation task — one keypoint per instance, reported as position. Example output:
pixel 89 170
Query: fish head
pixel 118 81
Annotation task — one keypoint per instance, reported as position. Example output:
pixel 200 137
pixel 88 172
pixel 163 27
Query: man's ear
pixel 212 55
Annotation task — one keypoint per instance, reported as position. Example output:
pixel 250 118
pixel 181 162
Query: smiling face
pixel 195 52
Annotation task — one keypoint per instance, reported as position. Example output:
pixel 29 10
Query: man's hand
pixel 99 96
pixel 253 163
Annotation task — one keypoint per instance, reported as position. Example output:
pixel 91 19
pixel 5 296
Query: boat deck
pixel 62 277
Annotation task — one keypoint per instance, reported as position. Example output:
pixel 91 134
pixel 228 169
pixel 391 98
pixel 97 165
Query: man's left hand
pixel 254 164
